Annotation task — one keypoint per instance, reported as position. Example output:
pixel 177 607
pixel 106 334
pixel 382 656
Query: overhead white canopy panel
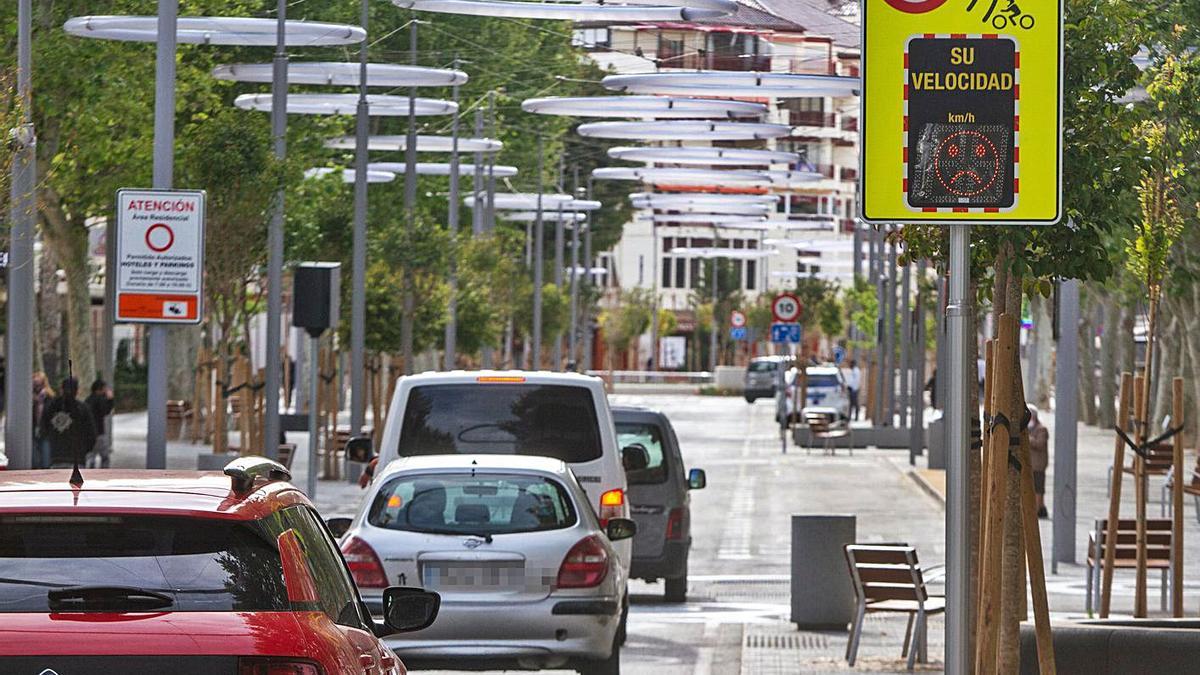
pixel 683 176
pixel 525 201
pixel 344 74
pixel 217 30
pixel 551 216
pixel 347 104
pixel 660 107
pixel 443 169
pixel 704 218
pixel 626 11
pixel 716 252
pixel 704 156
pixel 659 200
pixel 348 175
pixel 726 210
pixel 424 144
pixel 724 83
pixel 683 131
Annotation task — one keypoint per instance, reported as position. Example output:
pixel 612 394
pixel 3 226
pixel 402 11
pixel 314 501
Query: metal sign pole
pixel 1066 417
pixel 538 255
pixel 358 247
pixel 18 436
pixel 452 306
pixel 314 412
pixel 164 169
pixel 279 85
pixel 961 376
pixel 410 200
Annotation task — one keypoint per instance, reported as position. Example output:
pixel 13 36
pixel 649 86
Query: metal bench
pixel 826 425
pixel 888 578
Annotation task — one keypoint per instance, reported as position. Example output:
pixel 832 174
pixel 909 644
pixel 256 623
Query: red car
pixel 183 573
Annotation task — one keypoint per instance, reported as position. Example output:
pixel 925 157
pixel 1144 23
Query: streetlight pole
pixel 18 436
pixel 958 313
pixel 538 255
pixel 164 170
pixel 279 85
pixel 587 279
pixel 410 200
pixel 559 242
pixel 573 330
pixel 452 308
pixel 358 249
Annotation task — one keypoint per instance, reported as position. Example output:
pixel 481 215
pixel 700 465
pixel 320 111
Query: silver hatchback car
pixel 527 575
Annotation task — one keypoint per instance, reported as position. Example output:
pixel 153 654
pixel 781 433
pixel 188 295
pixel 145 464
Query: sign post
pixel 962 126
pixel 160 256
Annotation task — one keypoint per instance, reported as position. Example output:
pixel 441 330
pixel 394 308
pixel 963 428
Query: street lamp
pixel 652 10
pixel 669 130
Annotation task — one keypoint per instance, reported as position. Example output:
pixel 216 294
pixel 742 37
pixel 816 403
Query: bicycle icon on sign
pixel 1009 15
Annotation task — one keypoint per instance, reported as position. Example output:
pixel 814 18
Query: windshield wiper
pixel 106 598
pixel 457 533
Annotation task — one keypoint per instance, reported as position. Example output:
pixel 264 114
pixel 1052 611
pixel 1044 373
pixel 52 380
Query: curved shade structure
pixel 704 156
pixel 631 10
pixel 683 176
pixel 663 201
pixel 424 144
pixel 348 175
pixel 343 74
pixel 683 131
pixel 216 30
pixel 784 178
pixel 661 107
pixel 532 216
pixel 443 169
pixel 713 209
pixel 711 252
pixel 704 218
pixel 524 201
pixel 734 83
pixel 347 104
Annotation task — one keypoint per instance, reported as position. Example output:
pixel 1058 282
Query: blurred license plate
pixel 472 575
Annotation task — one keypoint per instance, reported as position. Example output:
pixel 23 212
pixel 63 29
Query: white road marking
pixel 704 659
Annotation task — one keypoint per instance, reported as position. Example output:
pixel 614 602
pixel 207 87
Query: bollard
pixel 822 593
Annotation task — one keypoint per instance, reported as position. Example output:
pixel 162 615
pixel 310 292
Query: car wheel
pixel 609 666
pixel 675 588
pixel 750 399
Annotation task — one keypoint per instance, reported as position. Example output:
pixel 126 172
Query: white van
pixel 516 412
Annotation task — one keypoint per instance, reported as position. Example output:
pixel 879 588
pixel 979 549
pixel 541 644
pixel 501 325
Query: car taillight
pixel 277 666
pixel 675 524
pixel 585 566
pixel 612 505
pixel 364 564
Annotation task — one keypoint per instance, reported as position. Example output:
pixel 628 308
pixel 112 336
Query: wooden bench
pixel 285 453
pixel 1158 553
pixel 1190 487
pixel 888 578
pixel 178 413
pixel 826 425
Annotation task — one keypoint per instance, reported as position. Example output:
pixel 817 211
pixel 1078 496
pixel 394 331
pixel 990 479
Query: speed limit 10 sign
pixel 786 308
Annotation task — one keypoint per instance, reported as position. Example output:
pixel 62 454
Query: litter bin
pixel 822 593
pixel 936 439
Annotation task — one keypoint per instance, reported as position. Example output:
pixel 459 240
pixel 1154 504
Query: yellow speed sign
pixel 962 111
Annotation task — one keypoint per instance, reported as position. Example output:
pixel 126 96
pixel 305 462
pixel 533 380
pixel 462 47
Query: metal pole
pixel 538 254
pixel 906 341
pixel 712 336
pixel 279 86
pixel 164 169
pixel 410 200
pixel 559 236
pixel 489 222
pixel 358 249
pixel 1066 416
pixel 479 208
pixel 889 356
pixel 314 437
pixel 452 307
pixel 18 432
pixel 958 532
pixel 655 253
pixel 587 280
pixel 572 334
pixel 916 389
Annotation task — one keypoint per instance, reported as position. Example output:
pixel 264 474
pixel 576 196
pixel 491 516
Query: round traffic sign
pixel 786 308
pixel 160 237
pixel 737 319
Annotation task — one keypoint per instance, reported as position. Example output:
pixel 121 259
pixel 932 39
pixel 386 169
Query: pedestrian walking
pixel 853 378
pixel 100 404
pixel 67 428
pixel 1039 459
pixel 41 394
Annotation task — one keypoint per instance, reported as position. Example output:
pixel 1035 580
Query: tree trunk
pixel 1042 337
pixel 1012 565
pixel 49 333
pixel 182 344
pixel 1087 359
pixel 1166 350
pixel 1125 338
pixel 1110 334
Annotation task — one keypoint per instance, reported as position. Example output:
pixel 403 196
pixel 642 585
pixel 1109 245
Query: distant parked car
pixel 659 499
pixel 761 377
pixel 527 575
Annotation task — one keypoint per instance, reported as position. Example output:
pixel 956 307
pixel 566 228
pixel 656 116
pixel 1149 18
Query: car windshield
pixel 823 380
pixel 137 563
pixel 482 504
pixel 649 436
pixel 762 366
pixel 556 421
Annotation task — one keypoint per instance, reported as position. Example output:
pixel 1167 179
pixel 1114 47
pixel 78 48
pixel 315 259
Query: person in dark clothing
pixel 100 404
pixel 67 427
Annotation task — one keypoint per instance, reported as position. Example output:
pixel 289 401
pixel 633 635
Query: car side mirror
pixel 620 528
pixel 697 479
pixel 360 449
pixel 338 526
pixel 407 609
pixel 635 457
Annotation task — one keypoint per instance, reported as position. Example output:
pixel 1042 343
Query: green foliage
pixel 862 309
pixel 627 319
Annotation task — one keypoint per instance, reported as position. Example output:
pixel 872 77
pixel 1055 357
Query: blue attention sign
pixel 737 333
pixel 785 332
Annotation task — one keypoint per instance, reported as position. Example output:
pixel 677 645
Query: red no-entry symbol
pixel 159 237
pixel 916 6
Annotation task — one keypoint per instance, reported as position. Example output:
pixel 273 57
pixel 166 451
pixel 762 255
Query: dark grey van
pixel 761 375
pixel 658 496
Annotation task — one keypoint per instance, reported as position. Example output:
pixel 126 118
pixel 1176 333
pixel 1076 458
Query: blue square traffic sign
pixel 737 333
pixel 785 332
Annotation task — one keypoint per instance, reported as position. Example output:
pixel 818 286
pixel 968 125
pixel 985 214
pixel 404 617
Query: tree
pixel 623 322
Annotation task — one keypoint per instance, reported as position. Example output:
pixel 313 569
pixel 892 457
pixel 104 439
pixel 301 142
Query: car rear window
pixel 544 420
pixel 650 437
pixel 762 366
pixel 481 504
pixel 198 565
pixel 823 380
